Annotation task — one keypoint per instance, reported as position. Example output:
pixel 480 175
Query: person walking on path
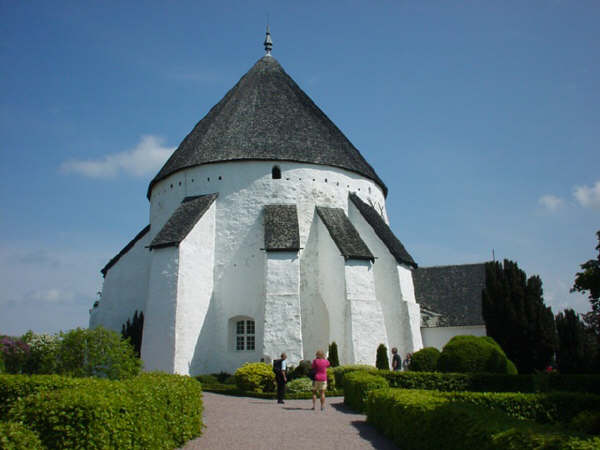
pixel 396 360
pixel 319 365
pixel 280 368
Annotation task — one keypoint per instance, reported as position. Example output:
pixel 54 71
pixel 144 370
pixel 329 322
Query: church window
pixel 276 173
pixel 245 337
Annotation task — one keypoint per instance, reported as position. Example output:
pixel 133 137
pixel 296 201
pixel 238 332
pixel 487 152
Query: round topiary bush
pixel 299 385
pixel 425 360
pixel 469 354
pixel 301 370
pixel 255 377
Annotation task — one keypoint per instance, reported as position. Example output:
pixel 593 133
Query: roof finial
pixel 268 41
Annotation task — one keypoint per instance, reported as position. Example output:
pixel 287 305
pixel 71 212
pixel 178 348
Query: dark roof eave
pixel 282 249
pixel 380 183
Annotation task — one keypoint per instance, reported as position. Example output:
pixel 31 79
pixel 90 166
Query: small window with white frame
pixel 245 337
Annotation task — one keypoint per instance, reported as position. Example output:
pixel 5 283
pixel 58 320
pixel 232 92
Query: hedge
pixel 256 377
pixel 236 392
pixel 13 387
pixel 339 372
pixel 149 411
pixel 357 386
pixel 430 420
pixel 16 436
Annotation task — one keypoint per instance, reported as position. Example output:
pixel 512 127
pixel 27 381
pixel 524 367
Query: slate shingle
pixel 125 249
pixel 383 231
pixel 281 228
pixel 344 234
pixel 183 220
pixel 452 291
pixel 266 116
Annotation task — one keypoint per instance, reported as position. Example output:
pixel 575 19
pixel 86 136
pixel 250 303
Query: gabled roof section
pixel 125 249
pixel 281 228
pixel 182 220
pixel 266 116
pixel 344 234
pixel 383 231
pixel 454 292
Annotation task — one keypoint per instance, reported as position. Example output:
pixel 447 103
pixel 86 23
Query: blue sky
pixel 481 117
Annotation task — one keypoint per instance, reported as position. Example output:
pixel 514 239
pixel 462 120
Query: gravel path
pixel 250 423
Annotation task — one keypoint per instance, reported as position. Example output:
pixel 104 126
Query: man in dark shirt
pixel 396 360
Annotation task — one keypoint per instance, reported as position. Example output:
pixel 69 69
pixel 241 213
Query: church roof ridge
pixel 266 116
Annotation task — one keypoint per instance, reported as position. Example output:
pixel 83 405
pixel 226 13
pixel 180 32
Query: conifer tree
pixel 571 354
pixel 333 358
pixel 589 281
pixel 516 317
pixel 133 330
pixel 382 361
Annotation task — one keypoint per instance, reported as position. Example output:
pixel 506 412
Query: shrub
pixel 339 372
pixel 13 387
pixel 96 352
pixel 382 362
pixel 586 422
pixel 333 358
pixel 43 350
pixel 426 419
pixel 301 371
pixel 255 377
pixel 473 354
pixel 299 385
pixel 357 386
pixel 149 411
pixel 425 360
pixel 15 352
pixel 207 379
pixel 16 436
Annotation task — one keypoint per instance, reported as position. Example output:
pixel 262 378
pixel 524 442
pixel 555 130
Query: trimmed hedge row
pixel 357 386
pixel 16 436
pixel 479 382
pixel 149 411
pixel 431 420
pixel 236 392
pixel 13 387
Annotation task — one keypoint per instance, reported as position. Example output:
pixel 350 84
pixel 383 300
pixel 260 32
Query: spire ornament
pixel 268 42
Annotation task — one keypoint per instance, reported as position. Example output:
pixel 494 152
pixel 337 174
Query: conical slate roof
pixel 266 116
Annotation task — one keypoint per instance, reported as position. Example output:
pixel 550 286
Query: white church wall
pixel 315 318
pixel 387 282
pixel 283 325
pixel 410 312
pixel 158 341
pixel 194 291
pixel 332 288
pixel 124 289
pixel 364 316
pixel 438 337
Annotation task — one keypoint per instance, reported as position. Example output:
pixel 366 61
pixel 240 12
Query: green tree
pixel 473 354
pixel 96 352
pixel 133 330
pixel 571 354
pixel 382 361
pixel 333 358
pixel 588 281
pixel 516 317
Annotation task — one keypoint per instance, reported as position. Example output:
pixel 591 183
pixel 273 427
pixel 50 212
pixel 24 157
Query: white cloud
pixel 146 158
pixel 551 202
pixel 588 197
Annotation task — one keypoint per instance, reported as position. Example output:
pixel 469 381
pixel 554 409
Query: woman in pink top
pixel 320 365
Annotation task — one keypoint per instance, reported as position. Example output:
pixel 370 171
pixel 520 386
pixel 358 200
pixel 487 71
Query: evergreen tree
pixel 133 330
pixel 333 358
pixel 589 281
pixel 516 317
pixel 571 357
pixel 382 361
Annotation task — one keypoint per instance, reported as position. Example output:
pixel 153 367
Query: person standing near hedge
pixel 320 365
pixel 280 369
pixel 396 360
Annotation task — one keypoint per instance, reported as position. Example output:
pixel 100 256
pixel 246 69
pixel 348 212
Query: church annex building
pixel 268 233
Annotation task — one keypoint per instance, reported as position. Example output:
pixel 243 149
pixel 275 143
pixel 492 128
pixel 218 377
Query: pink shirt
pixel 320 366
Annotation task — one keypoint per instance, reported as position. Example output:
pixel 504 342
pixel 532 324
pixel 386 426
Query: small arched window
pixel 245 337
pixel 276 173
